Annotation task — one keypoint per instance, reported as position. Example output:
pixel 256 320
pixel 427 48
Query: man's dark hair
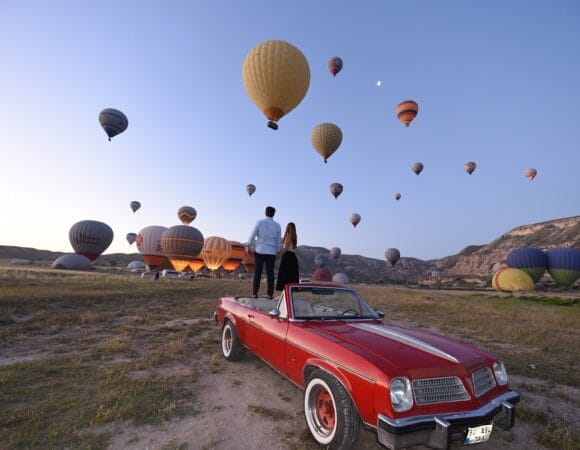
pixel 270 211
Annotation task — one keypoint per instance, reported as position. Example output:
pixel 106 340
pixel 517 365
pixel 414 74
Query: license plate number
pixel 475 435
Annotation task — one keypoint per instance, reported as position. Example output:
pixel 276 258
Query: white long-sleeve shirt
pixel 266 237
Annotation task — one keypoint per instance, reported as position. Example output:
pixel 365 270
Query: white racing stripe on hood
pixel 404 339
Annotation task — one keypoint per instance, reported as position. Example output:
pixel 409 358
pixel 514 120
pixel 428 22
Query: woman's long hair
pixel 291 230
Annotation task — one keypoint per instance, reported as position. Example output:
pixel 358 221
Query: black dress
pixel 288 270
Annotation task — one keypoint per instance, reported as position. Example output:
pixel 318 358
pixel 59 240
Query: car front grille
pixel 439 390
pixel 483 381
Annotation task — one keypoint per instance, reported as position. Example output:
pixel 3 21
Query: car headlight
pixel 401 394
pixel 500 373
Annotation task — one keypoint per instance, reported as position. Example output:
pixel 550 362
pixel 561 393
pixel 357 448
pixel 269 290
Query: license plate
pixel 475 435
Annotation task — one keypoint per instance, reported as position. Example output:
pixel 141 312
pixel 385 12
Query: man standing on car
pixel 266 240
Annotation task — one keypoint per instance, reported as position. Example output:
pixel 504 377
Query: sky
pixel 497 83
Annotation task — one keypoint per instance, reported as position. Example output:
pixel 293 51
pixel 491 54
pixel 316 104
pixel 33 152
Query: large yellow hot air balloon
pixel 326 138
pixel 276 77
pixel 216 251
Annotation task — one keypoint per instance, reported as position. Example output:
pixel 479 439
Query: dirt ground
pixel 248 405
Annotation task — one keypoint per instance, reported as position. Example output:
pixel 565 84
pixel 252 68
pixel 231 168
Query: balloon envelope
pixel 469 167
pixel 136 265
pixel 531 260
pixel 134 205
pixel 180 244
pixel 417 168
pixel 322 274
pixel 510 280
pixel 250 189
pixel 326 138
pixel 149 246
pixel 186 214
pixel 530 173
pixel 113 121
pixel 335 252
pixel 90 238
pixel 237 254
pixel 216 251
pixel 276 77
pixel 564 265
pixel 72 261
pixel 341 278
pixel 321 260
pixel 392 255
pixel 355 219
pixel 249 262
pixel 397 196
pixel 334 65
pixel 131 237
pixel 336 189
pixel 406 111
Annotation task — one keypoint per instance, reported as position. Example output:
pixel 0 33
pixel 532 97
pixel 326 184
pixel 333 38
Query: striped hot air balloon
pixel 250 189
pixel 336 189
pixel 326 138
pixel 334 65
pixel 249 262
pixel 341 278
pixel 216 251
pixel 237 255
pixel 149 246
pixel 321 260
pixel 564 265
pixel 181 244
pixel 113 121
pixel 531 260
pixel 335 252
pixel 90 238
pixel 469 167
pixel 406 111
pixel 276 77
pixel 186 214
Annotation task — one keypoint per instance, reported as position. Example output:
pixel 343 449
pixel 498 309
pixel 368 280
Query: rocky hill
pixel 472 263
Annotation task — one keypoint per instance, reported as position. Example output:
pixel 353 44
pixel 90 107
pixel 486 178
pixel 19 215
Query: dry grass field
pixel 94 360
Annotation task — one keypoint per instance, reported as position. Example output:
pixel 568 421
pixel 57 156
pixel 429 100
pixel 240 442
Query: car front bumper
pixel 439 430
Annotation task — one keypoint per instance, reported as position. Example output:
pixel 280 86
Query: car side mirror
pixel 380 314
pixel 274 313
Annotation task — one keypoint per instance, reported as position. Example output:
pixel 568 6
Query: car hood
pixel 390 345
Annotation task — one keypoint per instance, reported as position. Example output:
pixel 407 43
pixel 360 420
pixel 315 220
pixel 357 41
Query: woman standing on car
pixel 288 270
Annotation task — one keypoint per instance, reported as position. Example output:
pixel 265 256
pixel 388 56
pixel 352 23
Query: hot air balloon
pixel 334 65
pixel 186 214
pixel 250 189
pixel 216 251
pixel 530 173
pixel 510 280
pixel 249 263
pixel 417 168
pixel 90 238
pixel 113 121
pixel 326 138
pixel 131 237
pixel 181 243
pixel 72 261
pixel 321 260
pixel 336 189
pixel 136 265
pixel 564 265
pixel 341 278
pixel 322 275
pixel 276 77
pixel 134 205
pixel 469 167
pixel 197 263
pixel 406 111
pixel 392 255
pixel 355 219
pixel 335 252
pixel 397 196
pixel 237 255
pixel 531 260
pixel 149 246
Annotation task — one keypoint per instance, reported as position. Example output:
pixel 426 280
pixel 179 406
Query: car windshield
pixel 323 303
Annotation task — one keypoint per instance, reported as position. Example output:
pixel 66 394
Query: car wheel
pixel 330 413
pixel 232 349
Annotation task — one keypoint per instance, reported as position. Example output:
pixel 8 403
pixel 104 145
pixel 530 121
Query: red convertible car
pixel 413 387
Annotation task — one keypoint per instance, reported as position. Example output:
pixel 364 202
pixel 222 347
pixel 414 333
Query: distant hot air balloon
pixel 134 205
pixel 530 173
pixel 136 265
pixel 336 189
pixel 510 280
pixel 181 244
pixel 186 214
pixel 216 251
pixel 250 189
pixel 131 237
pixel 249 263
pixel 335 252
pixel 564 265
pixel 276 77
pixel 531 260
pixel 72 261
pixel 341 278
pixel 322 274
pixel 113 121
pixel 355 219
pixel 469 167
pixel 406 111
pixel 326 138
pixel 392 255
pixel 321 260
pixel 149 246
pixel 236 256
pixel 90 238
pixel 397 196
pixel 417 168
pixel 334 65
